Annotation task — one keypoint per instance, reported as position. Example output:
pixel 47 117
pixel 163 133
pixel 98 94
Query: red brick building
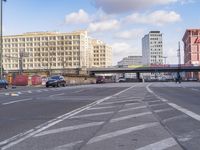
pixel 191 41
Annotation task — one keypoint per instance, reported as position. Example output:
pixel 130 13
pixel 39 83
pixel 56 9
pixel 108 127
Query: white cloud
pixel 159 18
pixel 130 34
pixel 104 25
pixel 77 17
pixel 121 50
pixel 118 6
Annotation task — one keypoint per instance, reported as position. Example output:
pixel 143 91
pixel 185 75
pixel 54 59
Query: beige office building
pixel 51 51
pixel 102 54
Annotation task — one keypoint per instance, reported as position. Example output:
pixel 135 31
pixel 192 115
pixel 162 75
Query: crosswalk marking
pixel 97 108
pixel 108 103
pixel 91 115
pixel 70 128
pixel 134 108
pixel 67 146
pixel 163 110
pixel 122 132
pixel 129 116
pixel 161 145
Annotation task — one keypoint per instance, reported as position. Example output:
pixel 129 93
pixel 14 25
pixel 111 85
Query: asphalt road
pixel 121 116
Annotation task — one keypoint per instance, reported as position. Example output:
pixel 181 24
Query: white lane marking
pixel 17 101
pixel 109 103
pixel 67 146
pixel 134 108
pixel 153 101
pixel 78 91
pixel 51 96
pixel 194 89
pixel 122 132
pixel 130 116
pixel 185 111
pixel 70 128
pixel 160 104
pixel 97 108
pixel 161 145
pixel 25 135
pixel 92 115
pixel 163 110
pixel 174 118
pixel 29 92
pixel 132 104
pixel 150 91
pixel 39 91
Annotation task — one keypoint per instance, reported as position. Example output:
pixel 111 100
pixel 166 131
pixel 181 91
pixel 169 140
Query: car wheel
pixel 6 87
pixel 47 86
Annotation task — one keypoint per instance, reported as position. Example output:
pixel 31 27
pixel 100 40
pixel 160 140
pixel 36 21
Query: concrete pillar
pixel 138 75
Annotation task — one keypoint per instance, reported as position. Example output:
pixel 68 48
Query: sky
pixel 120 23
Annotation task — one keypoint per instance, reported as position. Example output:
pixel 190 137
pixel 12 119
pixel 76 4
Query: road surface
pixel 121 116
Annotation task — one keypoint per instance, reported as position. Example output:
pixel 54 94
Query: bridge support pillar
pixel 138 76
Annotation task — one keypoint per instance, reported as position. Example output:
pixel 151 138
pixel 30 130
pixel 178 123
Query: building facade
pixel 191 41
pixel 49 51
pixel 102 54
pixel 130 61
pixel 152 48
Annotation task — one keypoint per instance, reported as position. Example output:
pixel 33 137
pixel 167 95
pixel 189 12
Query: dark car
pixel 100 79
pixel 3 84
pixel 56 81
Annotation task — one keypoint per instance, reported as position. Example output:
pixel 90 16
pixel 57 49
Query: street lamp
pixel 1 40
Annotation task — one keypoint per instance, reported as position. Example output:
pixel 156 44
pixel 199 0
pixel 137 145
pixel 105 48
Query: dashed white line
pixel 67 146
pixel 134 108
pixel 130 116
pixel 163 110
pixel 161 145
pixel 160 104
pixel 70 128
pixel 122 132
pixel 17 101
pixel 92 115
pixel 51 96
pixel 109 103
pixel 97 108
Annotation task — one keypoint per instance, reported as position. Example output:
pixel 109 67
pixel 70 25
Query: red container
pixel 36 80
pixel 21 80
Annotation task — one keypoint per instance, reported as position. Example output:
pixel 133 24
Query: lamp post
pixel 1 40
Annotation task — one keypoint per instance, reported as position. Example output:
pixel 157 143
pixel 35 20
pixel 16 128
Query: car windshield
pixel 55 77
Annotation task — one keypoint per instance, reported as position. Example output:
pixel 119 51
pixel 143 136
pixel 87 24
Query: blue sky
pixel 122 24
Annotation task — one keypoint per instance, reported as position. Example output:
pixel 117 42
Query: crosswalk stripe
pixel 97 108
pixel 122 132
pixel 161 145
pixel 163 110
pixel 134 108
pixel 70 128
pixel 67 146
pixel 108 103
pixel 130 116
pixel 91 115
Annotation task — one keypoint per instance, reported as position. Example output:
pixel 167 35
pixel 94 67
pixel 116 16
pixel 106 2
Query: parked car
pixel 100 79
pixel 3 84
pixel 121 79
pixel 56 81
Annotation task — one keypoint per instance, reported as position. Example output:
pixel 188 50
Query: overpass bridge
pixel 93 71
